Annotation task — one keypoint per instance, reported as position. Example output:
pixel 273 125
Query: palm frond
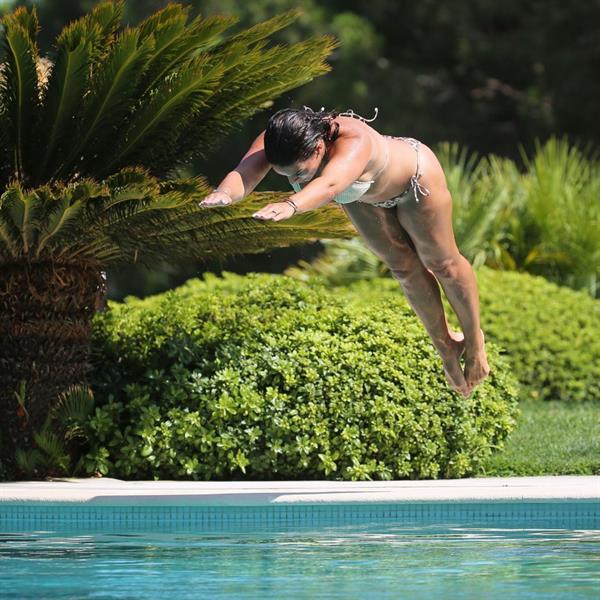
pixel 156 95
pixel 264 29
pixel 19 92
pixel 175 43
pixel 131 216
pixel 280 70
pixel 25 210
pixel 21 215
pixel 182 231
pixel 172 14
pixel 101 25
pixel 52 449
pixel 111 97
pixel 73 409
pixel 176 101
pixel 29 460
pixel 67 82
pixel 61 222
pixel 82 46
pixel 6 151
pixel 11 242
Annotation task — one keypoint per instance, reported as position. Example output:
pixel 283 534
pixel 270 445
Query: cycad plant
pixel 92 139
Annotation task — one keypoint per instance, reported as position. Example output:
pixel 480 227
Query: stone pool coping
pixel 107 491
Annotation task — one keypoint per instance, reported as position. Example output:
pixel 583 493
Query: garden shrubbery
pixel 549 334
pixel 266 377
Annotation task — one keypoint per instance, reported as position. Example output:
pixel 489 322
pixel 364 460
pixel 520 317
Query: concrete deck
pixel 105 491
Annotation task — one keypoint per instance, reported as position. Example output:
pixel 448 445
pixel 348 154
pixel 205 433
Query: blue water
pixel 355 561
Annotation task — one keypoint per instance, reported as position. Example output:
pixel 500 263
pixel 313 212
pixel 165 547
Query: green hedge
pixel 549 334
pixel 267 377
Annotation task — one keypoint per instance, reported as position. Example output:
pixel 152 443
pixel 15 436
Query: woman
pixel 394 191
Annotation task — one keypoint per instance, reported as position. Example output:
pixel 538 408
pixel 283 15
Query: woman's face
pixel 305 170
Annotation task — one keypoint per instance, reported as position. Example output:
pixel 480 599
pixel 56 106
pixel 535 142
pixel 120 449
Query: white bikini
pixel 358 188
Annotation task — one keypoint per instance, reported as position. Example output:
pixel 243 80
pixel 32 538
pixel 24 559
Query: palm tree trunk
pixel 46 310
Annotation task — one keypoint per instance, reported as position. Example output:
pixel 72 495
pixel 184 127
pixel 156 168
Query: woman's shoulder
pixel 350 127
pixel 353 130
pixel 355 121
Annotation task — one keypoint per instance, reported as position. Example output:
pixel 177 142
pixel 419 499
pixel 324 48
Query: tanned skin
pixel 414 239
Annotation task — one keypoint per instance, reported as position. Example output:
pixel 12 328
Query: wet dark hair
pixel 292 134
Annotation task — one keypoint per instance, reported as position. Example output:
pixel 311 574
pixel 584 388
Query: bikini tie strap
pixel 351 113
pixel 414 180
pixel 417 187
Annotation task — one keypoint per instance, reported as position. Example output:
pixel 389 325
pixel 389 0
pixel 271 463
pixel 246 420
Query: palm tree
pixel 92 140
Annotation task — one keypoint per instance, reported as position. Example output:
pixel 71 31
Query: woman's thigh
pixel 429 225
pixel 428 221
pixel 383 234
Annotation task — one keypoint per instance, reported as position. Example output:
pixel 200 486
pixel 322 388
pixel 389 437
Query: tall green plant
pixel 563 202
pixel 484 193
pixel 91 142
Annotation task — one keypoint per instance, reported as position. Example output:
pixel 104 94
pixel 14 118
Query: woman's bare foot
pixel 451 355
pixel 476 364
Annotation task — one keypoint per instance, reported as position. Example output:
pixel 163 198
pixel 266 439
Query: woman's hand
pixel 215 199
pixel 278 211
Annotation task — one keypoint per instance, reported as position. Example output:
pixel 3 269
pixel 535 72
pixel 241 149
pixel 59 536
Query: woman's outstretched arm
pixel 240 182
pixel 352 154
pixel 344 167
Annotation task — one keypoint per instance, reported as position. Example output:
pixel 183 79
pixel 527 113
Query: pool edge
pixel 108 491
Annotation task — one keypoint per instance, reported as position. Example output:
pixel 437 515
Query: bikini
pixel 358 188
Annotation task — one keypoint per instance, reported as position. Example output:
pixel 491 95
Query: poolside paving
pixel 110 491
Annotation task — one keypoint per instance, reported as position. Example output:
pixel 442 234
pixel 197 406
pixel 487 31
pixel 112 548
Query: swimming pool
pixel 483 550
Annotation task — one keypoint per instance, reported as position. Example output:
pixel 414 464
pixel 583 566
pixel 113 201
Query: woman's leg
pixel 429 224
pixel 388 240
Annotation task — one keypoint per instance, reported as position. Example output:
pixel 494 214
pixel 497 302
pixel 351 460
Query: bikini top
pixel 357 188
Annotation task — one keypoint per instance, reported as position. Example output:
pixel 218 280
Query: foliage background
pixel 489 76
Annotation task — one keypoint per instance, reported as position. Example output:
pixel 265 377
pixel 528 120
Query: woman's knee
pixel 397 254
pixel 403 266
pixel 384 235
pixel 444 267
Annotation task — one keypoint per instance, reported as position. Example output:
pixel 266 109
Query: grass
pixel 551 438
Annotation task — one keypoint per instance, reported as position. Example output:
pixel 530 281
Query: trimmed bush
pixel 549 334
pixel 266 377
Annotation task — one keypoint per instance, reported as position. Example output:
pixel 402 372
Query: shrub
pixel 548 333
pixel 267 377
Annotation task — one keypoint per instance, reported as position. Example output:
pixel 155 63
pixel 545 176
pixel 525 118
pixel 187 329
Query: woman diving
pixel 394 191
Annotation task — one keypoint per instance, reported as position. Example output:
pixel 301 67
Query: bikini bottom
pixel 414 184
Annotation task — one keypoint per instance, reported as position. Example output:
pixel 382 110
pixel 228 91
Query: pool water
pixel 379 560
